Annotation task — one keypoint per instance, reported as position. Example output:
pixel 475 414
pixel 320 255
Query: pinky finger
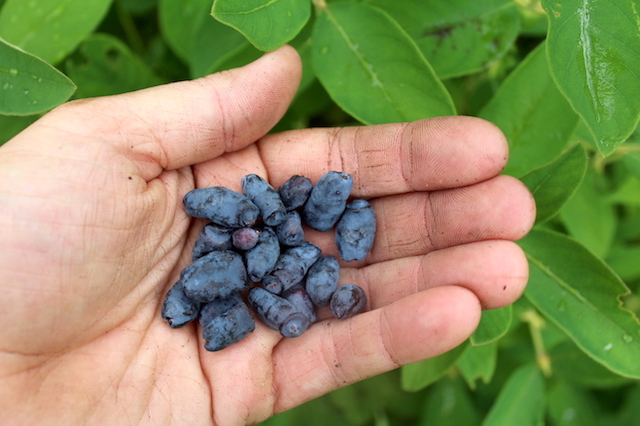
pixel 336 353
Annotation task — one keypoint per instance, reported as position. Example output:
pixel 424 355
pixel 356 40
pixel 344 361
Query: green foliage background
pixel 560 78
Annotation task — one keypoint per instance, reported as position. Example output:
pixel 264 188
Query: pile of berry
pixel 255 241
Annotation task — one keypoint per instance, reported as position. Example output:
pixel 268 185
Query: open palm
pixel 94 233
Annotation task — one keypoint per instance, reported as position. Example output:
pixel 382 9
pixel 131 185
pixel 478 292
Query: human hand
pixel 95 233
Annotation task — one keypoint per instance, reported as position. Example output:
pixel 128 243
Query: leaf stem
pixel 536 324
pixel 130 30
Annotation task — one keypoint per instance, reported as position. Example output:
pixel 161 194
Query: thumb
pixel 180 124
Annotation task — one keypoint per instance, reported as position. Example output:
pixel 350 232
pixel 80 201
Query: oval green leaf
pixel 582 296
pixel 521 401
pixel 179 21
pixel 458 37
pixel 29 85
pixel 571 406
pixel 50 29
pixel 534 116
pixel 267 24
pixel 589 216
pixel 449 403
pixel 421 374
pixel 373 69
pixel 105 66
pixel 594 55
pixel 556 182
pixel 493 325
pixel 479 362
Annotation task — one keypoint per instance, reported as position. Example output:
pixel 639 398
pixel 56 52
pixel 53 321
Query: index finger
pixel 425 155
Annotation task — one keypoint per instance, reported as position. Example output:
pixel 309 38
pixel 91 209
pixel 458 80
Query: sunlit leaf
pixel 493 325
pixel 50 29
pixel 372 68
pixel 556 182
pixel 29 85
pixel 267 24
pixel 521 401
pixel 421 374
pixel 582 296
pixel 533 115
pixel 594 54
pixel 458 37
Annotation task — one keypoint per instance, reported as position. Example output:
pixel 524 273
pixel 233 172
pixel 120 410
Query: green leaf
pixel 628 193
pixel 573 365
pixel 479 362
pixel 50 29
pixel 624 261
pixel 29 85
pixel 421 374
pixel 449 404
pixel 106 66
pixel 531 112
pixel 570 406
pixel 212 44
pixel 521 401
pixel 582 296
pixel 589 216
pixel 555 183
pixel 245 54
pixel 267 24
pixel 458 37
pixel 179 21
pixel 594 55
pixel 493 325
pixel 373 69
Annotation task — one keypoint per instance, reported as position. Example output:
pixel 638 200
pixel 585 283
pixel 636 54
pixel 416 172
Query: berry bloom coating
pixel 299 298
pixel 262 258
pixel 217 307
pixel 218 274
pixel 327 200
pixel 212 237
pixel 295 191
pixel 265 197
pixel 277 313
pixel 291 267
pixel 356 231
pixel 228 328
pixel 348 300
pixel 290 232
pixel 322 280
pixel 178 309
pixel 221 206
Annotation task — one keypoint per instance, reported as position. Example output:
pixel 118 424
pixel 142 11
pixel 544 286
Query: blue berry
pixel 217 307
pixel 265 197
pixel 178 309
pixel 218 274
pixel 295 191
pixel 291 267
pixel 245 238
pixel 290 232
pixel 213 237
pixel 228 328
pixel 277 313
pixel 327 200
pixel 221 206
pixel 348 300
pixel 299 298
pixel 262 258
pixel 356 231
pixel 322 280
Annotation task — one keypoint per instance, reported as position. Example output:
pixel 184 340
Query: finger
pixel 335 353
pixel 421 222
pixel 429 154
pixel 180 124
pixel 495 271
